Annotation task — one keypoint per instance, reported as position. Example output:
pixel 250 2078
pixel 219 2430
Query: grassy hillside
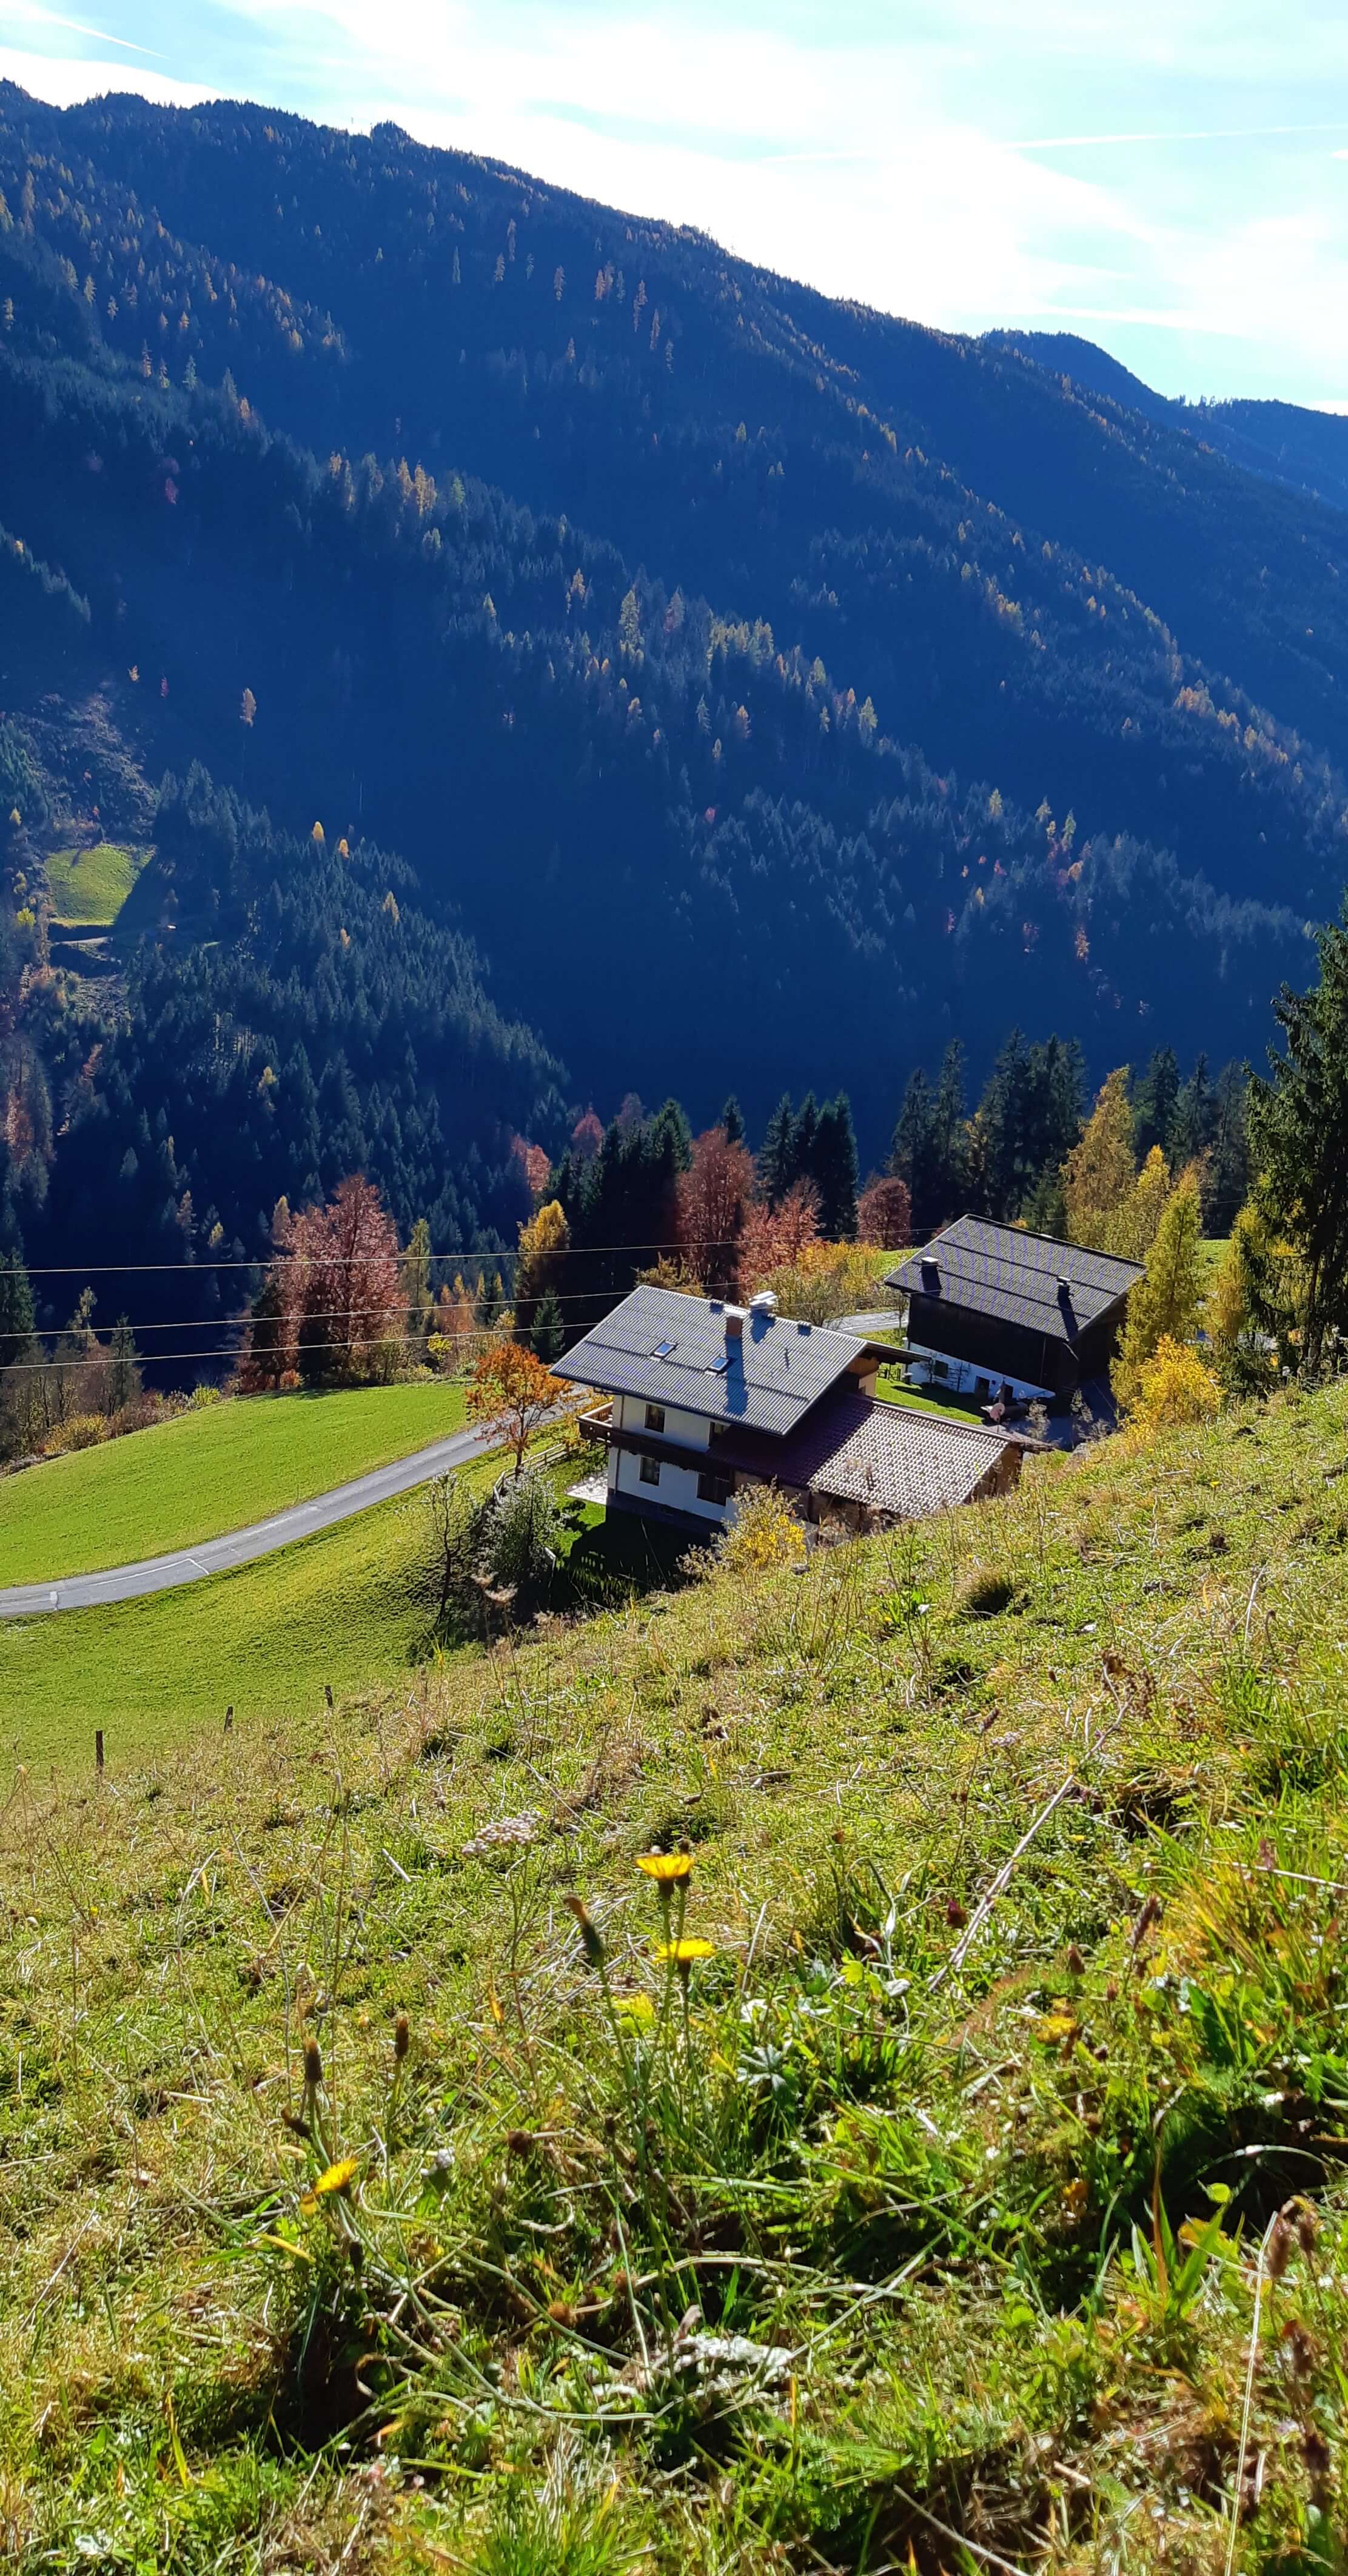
pixel 92 885
pixel 932 2222
pixel 206 1473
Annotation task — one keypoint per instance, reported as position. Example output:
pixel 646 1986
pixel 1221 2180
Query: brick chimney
pixel 734 1324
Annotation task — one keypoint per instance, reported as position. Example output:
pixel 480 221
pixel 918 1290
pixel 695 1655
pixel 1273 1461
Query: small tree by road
pixel 511 1394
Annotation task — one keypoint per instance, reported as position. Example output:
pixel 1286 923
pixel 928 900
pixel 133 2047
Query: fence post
pixel 98 1748
pixel 229 1719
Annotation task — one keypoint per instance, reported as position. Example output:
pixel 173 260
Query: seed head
pixel 313 2064
pixel 1280 2245
pixel 1308 2228
pixel 1075 1962
pixel 402 2037
pixel 954 1913
pixel 593 1946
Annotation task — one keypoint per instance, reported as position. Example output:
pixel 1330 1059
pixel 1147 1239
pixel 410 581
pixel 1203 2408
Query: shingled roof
pixel 671 1349
pixel 857 1448
pixel 1029 1279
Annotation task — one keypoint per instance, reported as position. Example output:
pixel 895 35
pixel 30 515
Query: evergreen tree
pixel 1195 1116
pixel 777 1154
pixel 416 1287
pixel 548 1332
pixel 913 1155
pixel 803 1139
pixel 1298 1120
pixel 1155 1101
pixel 732 1119
pixel 947 1127
pixel 123 1372
pixel 834 1170
pixel 16 1310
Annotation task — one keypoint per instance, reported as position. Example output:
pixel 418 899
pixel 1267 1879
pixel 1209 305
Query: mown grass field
pixel 933 2222
pixel 208 1472
pixel 92 885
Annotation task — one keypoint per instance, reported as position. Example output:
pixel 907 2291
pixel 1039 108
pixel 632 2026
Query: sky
pixel 1169 180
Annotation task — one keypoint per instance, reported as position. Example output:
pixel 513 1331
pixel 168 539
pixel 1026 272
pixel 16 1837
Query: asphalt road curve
pixel 240 1547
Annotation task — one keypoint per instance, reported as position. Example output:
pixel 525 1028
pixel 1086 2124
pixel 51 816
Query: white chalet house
pixel 706 1399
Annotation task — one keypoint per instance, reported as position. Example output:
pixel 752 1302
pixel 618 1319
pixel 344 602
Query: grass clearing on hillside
pixel 941 2196
pixel 350 1608
pixel 92 885
pixel 204 1473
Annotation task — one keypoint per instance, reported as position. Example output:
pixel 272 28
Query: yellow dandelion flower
pixel 664 1867
pixel 684 1952
pixel 635 2007
pixel 336 2178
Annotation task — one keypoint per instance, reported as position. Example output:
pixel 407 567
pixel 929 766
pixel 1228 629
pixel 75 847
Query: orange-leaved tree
pixel 511 1394
pixel 713 1196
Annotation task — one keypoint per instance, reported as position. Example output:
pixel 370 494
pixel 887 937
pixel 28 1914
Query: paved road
pixel 883 1319
pixel 239 1547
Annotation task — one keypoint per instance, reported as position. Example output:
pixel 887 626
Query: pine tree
pixel 913 1156
pixel 732 1119
pixel 1298 1120
pixel 834 1170
pixel 123 1383
pixel 16 1311
pixel 548 1333
pixel 416 1286
pixel 777 1155
pixel 1155 1101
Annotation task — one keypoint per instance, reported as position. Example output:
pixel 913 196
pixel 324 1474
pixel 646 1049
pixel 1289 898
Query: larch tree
pixel 1101 1169
pixel 511 1394
pixel 713 1195
pixel 1165 1302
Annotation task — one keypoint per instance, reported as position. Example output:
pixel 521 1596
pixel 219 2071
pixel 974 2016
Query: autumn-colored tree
pixel 1100 1172
pixel 885 1214
pixel 586 1137
pixel 454 1326
pixel 511 1394
pixel 1175 1385
pixel 713 1196
pixel 775 1238
pixel 542 1261
pixel 331 1305
pixel 1165 1302
pixel 826 1281
pixel 535 1162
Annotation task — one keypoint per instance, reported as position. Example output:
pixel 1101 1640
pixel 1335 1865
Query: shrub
pixel 1174 1385
pixel 763 1535
pixel 519 1533
pixel 80 1431
pixel 827 1280
pixel 202 1397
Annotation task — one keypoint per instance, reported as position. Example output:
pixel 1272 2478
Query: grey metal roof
pixel 998 1270
pixel 775 1373
pixel 857 1448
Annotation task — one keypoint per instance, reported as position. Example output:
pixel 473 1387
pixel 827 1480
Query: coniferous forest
pixel 533 657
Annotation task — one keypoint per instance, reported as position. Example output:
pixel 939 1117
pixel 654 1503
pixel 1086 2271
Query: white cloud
pixel 1172 188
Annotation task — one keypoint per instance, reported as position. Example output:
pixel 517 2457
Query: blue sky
pixel 1168 179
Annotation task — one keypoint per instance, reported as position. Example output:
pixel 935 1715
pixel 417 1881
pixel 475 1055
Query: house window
pixel 982 1388
pixel 713 1489
pixel 650 1471
pixel 939 1368
pixel 655 1417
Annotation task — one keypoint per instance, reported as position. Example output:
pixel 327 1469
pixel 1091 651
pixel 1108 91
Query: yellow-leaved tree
pixel 1174 1385
pixel 1100 1172
pixel 1165 1303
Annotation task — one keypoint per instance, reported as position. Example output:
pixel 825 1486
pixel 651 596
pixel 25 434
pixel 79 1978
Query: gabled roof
pixel 857 1448
pixel 672 1349
pixel 1026 1279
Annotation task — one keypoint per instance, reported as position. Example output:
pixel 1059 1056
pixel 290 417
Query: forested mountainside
pixel 1284 441
pixel 769 689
